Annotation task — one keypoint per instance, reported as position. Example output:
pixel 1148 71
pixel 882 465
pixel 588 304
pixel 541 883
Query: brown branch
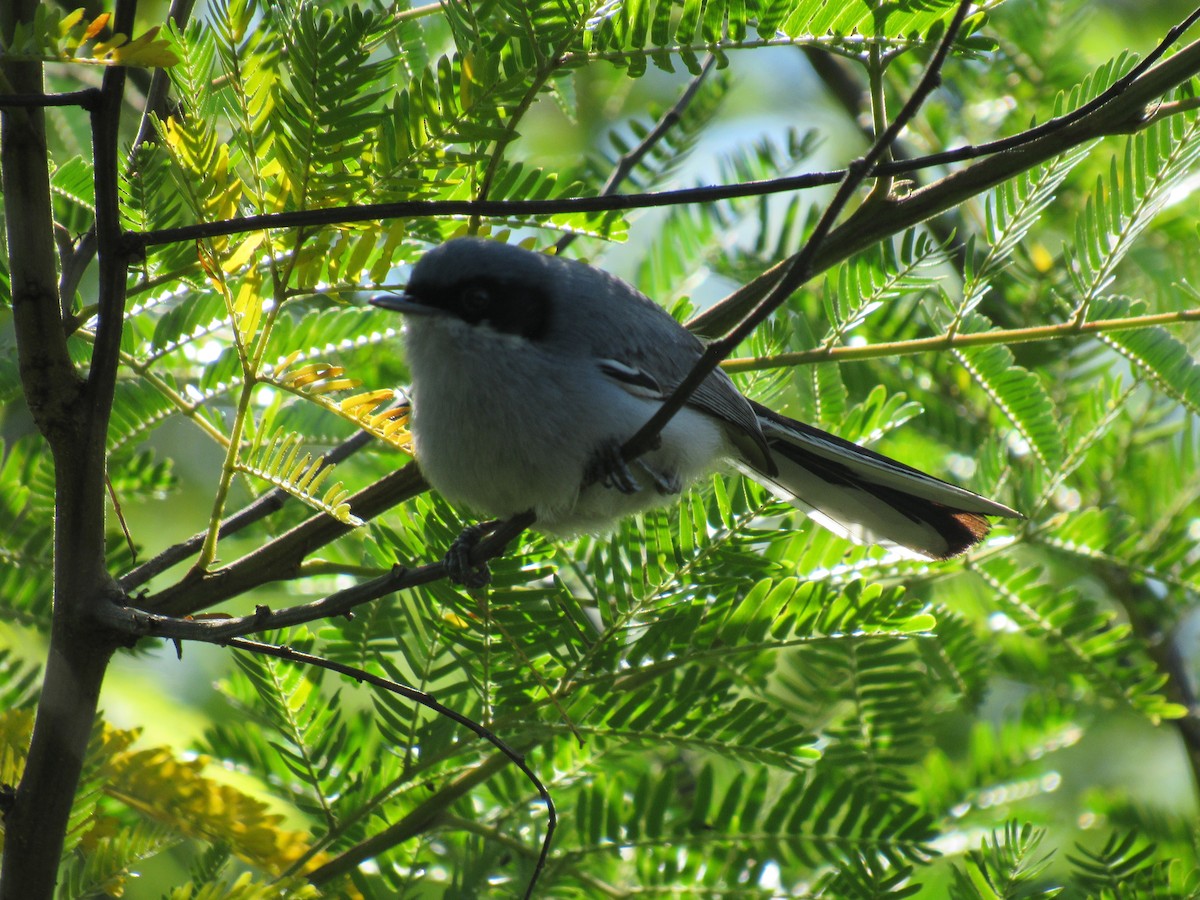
pixel 418 821
pixel 48 377
pixel 281 558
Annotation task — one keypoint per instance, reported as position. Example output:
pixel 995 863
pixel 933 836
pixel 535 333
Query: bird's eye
pixel 474 299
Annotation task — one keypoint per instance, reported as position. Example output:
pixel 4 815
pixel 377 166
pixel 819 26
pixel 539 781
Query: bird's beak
pixel 407 304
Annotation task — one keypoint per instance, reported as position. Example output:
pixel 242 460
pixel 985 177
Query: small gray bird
pixel 529 372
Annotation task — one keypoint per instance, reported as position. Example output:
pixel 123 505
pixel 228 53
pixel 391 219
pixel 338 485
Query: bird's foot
pixel 608 467
pixel 458 558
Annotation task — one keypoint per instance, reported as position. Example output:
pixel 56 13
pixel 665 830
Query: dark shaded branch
pixel 418 821
pixel 280 559
pixel 73 416
pixel 85 99
pixel 48 377
pixel 1115 90
pixel 136 623
pixel 114 264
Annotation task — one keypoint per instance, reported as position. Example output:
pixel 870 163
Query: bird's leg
pixel 608 467
pixel 458 557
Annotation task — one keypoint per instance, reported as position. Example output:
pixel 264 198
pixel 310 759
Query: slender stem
pixel 629 161
pixel 208 550
pixel 270 502
pixel 958 341
pixel 876 65
pixel 282 557
pixel 417 12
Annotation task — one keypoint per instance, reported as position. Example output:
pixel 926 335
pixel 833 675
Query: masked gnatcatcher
pixel 529 372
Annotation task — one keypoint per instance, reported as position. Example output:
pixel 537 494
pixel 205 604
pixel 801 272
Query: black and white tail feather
pixel 867 497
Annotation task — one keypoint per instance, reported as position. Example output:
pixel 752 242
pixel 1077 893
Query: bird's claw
pixel 608 467
pixel 458 563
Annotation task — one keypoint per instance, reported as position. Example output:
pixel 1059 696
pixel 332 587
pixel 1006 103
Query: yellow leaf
pixel 158 786
pixel 287 361
pixel 360 404
pixel 154 55
pixel 247 307
pixel 147 50
pixel 311 374
pixel 466 83
pixel 69 21
pixel 244 251
pixel 212 270
pixel 102 48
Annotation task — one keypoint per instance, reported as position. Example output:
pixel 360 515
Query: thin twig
pixel 1131 119
pixel 112 495
pixel 866 227
pixel 85 99
pixel 133 622
pixel 1115 90
pixel 958 340
pixel 426 700
pixel 629 161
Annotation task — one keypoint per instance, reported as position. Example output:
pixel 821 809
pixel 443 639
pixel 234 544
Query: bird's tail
pixel 867 497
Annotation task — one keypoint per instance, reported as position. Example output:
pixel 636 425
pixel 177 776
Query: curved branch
pixel 423 816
